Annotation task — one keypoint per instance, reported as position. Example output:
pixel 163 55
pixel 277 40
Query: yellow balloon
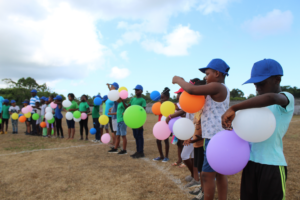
pixel 122 88
pixel 167 108
pixel 28 115
pixel 14 116
pixel 103 120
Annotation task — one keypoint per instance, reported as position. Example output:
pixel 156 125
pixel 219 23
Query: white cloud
pixel 119 73
pixel 76 83
pixel 210 6
pixel 127 38
pixel 274 22
pixel 124 55
pixel 175 43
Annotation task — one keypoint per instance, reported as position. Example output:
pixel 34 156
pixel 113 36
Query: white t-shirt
pixel 43 109
pixel 14 109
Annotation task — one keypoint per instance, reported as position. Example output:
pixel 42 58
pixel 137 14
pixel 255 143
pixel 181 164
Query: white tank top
pixel 211 122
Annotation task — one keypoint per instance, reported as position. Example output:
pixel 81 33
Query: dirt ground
pixel 41 168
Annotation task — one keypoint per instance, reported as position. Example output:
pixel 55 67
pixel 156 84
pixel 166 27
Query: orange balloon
pixel 156 108
pixel 43 124
pixel 22 119
pixel 191 103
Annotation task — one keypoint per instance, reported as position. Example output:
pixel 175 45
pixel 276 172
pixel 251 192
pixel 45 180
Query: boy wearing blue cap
pixel 58 116
pixel 265 175
pixel 138 133
pixel 95 115
pixel 14 109
pixel 5 115
pixel 109 105
pixel 216 104
pixel 33 99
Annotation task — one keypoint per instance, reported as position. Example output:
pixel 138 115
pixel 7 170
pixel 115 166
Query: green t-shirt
pixel 138 101
pixel 103 108
pixel 95 112
pixel 5 112
pixel 120 112
pixel 73 106
pixel 83 106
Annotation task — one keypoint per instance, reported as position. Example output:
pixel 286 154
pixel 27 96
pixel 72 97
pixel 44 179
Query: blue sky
pixel 79 46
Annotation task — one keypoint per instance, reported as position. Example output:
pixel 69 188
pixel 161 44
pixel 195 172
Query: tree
pixel 236 93
pixel 251 96
pixel 293 90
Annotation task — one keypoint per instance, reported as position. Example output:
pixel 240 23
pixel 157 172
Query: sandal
pixel 182 165
pixel 176 164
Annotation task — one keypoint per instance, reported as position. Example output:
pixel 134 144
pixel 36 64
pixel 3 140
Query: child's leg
pixel 81 129
pixel 124 139
pixel 179 150
pixel 159 147
pixel 7 125
pixel 117 141
pixel 167 146
pixel 185 155
pixel 73 132
pixel 140 140
pixel 85 122
pixel 208 179
pixel 135 132
pixel 222 186
pixel 54 125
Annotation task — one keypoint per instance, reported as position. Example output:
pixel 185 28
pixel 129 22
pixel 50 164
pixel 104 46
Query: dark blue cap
pixel 43 97
pixel 46 99
pixel 138 87
pixel 98 95
pixel 217 64
pixel 58 97
pixel 264 69
pixel 34 91
pixel 116 85
pixel 12 101
pixel 26 101
pixel 6 101
pixel 104 98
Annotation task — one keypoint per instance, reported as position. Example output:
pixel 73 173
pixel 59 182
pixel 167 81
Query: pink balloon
pixel 83 116
pixel 29 108
pixel 123 94
pixel 105 138
pixel 24 110
pixel 161 130
pixel 53 105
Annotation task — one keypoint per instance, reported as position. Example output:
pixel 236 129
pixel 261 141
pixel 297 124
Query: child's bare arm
pixel 112 113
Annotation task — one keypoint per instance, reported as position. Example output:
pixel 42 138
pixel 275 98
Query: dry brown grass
pixel 81 170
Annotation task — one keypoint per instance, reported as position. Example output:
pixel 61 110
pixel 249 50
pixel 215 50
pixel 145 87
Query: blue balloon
pixel 20 115
pixel 97 101
pixel 155 95
pixel 93 131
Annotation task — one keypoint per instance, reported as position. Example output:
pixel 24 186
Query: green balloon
pixel 52 132
pixel 0 121
pixel 135 116
pixel 77 114
pixel 51 121
pixel 35 116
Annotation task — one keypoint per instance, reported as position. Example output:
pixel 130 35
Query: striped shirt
pixel 32 102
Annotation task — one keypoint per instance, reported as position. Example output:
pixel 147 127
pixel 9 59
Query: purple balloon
pixel 227 153
pixel 171 123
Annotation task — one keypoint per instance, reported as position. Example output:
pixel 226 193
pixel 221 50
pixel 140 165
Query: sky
pixel 79 46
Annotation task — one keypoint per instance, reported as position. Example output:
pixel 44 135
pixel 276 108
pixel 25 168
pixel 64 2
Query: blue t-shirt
pixel 58 114
pixel 270 151
pixel 1 101
pixel 108 105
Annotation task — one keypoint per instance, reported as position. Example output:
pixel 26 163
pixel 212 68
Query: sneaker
pixel 158 159
pixel 94 140
pixel 62 137
pixel 165 160
pixel 196 191
pixel 5 132
pixel 133 155
pixel 188 178
pixel 113 150
pixel 122 152
pixel 98 141
pixel 139 155
pixel 200 196
pixel 193 183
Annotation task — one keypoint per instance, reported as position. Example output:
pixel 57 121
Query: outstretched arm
pixel 255 102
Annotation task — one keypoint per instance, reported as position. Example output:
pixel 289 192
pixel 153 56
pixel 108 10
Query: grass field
pixel 41 168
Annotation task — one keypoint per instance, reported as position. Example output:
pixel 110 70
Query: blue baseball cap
pixel 46 99
pixel 58 97
pixel 43 97
pixel 33 91
pixel 104 98
pixel 12 101
pixel 264 69
pixel 98 95
pixel 26 101
pixel 6 101
pixel 217 64
pixel 116 85
pixel 138 87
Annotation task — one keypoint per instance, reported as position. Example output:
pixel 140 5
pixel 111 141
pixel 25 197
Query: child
pixel 51 127
pixel 104 113
pixel 1 102
pixel 38 121
pixel 14 109
pixel 84 108
pixel 138 133
pixel 58 116
pixel 165 95
pixel 28 128
pixel 95 116
pixel 71 123
pixel 217 102
pixel 5 115
pixel 264 177
pixel 32 101
pixel 43 110
pixel 122 129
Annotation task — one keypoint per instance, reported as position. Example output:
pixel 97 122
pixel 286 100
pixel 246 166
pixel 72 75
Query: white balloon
pixel 49 116
pixel 48 110
pixel 113 95
pixel 66 103
pixel 77 120
pixel 69 116
pixel 163 118
pixel 255 124
pixel 183 129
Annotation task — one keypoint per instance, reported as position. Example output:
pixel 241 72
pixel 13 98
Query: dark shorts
pixel 71 123
pixel 198 158
pixel 110 125
pixel 5 121
pixel 263 182
pixel 206 167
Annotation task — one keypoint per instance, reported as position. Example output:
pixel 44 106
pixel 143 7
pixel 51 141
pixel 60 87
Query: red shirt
pixel 159 117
